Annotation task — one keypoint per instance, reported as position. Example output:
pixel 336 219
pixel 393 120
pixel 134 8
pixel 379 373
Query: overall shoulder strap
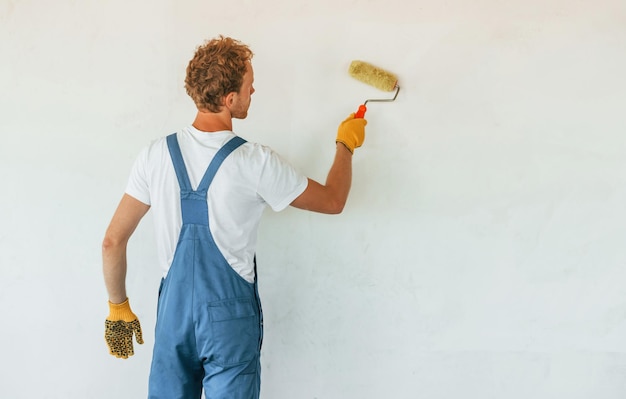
pixel 194 205
pixel 215 164
pixel 179 164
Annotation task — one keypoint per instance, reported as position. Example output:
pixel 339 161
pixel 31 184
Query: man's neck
pixel 213 121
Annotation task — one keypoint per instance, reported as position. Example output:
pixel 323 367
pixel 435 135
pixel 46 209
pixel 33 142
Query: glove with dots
pixel 119 328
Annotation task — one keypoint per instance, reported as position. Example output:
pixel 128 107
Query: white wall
pixel 481 254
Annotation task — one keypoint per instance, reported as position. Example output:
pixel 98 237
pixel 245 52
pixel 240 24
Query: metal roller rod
pixel 384 100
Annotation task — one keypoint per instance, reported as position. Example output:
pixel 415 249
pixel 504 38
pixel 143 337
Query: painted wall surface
pixel 481 253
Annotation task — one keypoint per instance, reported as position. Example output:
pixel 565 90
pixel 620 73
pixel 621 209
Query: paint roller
pixel 376 77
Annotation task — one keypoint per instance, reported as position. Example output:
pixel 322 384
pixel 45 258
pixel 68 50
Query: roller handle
pixel 361 112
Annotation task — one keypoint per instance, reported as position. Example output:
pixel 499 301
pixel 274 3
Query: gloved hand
pixel 119 329
pixel 351 132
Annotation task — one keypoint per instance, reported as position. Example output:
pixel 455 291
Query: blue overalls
pixel 209 325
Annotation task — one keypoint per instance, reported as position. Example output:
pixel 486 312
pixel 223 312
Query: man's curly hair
pixel 216 69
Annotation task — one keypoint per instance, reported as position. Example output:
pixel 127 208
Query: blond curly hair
pixel 216 69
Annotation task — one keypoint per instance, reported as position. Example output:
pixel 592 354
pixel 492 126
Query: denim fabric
pixel 209 325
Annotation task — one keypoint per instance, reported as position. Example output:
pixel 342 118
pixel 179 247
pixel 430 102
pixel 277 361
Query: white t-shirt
pixel 250 178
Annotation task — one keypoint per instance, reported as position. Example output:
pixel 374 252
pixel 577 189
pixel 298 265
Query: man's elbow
pixel 336 207
pixel 111 243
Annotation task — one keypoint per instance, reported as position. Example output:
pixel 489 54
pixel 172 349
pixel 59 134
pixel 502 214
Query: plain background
pixel 481 253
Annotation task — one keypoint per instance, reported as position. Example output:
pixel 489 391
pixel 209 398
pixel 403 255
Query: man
pixel 207 189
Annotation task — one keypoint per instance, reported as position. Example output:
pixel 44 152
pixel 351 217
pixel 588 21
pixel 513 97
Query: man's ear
pixel 229 99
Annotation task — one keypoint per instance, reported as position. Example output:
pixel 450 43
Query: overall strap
pixel 181 170
pixel 179 164
pixel 194 202
pixel 215 164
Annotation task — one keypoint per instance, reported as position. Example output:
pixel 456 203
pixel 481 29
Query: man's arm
pixel 126 218
pixel 331 197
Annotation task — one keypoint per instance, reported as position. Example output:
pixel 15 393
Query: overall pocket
pixel 235 331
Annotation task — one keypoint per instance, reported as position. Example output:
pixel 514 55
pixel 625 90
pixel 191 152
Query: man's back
pixel 249 179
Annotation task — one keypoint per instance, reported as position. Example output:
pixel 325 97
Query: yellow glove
pixel 351 132
pixel 119 328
